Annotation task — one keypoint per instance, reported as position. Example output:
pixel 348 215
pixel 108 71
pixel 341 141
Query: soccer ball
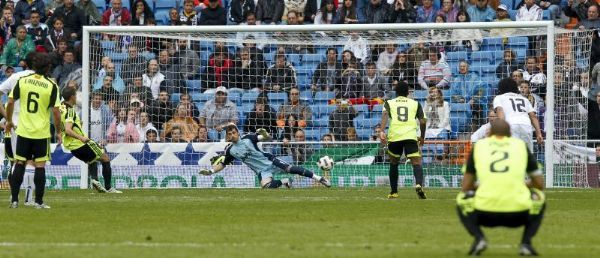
pixel 325 163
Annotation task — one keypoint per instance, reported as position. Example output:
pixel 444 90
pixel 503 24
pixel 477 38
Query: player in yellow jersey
pixel 38 94
pixel 82 147
pixel 405 115
pixel 503 197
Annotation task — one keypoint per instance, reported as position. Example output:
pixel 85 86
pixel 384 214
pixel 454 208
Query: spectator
pixel 175 135
pixel 328 138
pixel 184 121
pixel 117 15
pixel 107 91
pixel 592 21
pixel 481 12
pixel 218 70
pixel 90 10
pixel 348 13
pixel 536 101
pixel 403 12
pixel 144 93
pixel 448 10
pixel 24 8
pixel 327 14
pixel 378 11
pixel 297 6
pixel 578 8
pixel 437 112
pixel 341 119
pixel 153 79
pixel 328 74
pixel 202 135
pixel 529 11
pixel 434 73
pixel 214 14
pixel 168 67
pixel 144 126
pixel 134 65
pixel 299 152
pixel 152 136
pixel 484 130
pixel 103 66
pixel 239 9
pixel 37 30
pixel 56 34
pixel 8 25
pixel 281 76
pixel 359 46
pixel 72 17
pixel 426 12
pixel 100 118
pixel 141 13
pixel 402 71
pixel 351 84
pixel 374 84
pixel 517 76
pixel 551 5
pixel 466 38
pixel 241 37
pixel 351 134
pixel 17 49
pixel 188 60
pixel 534 75
pixel 387 58
pixel 467 88
pixel 269 11
pixel 122 129
pixel 161 110
pixel 175 19
pixel 185 98
pixel 61 72
pixel 286 131
pixel 117 84
pixel 248 72
pixel 262 116
pixel 218 112
pixel 502 16
pixel 301 111
pixel 51 6
pixel 508 65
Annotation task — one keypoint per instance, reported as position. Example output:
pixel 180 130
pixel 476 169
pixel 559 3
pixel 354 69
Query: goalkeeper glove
pixel 206 172
pixel 220 159
pixel 538 198
pixel 263 132
pixel 466 202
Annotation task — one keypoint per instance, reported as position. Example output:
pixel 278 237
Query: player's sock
pixel 40 184
pixel 29 184
pixel 418 173
pixel 93 170
pixel 394 177
pixel 17 178
pixel 107 174
pixel 301 171
pixel 532 226
pixel 274 184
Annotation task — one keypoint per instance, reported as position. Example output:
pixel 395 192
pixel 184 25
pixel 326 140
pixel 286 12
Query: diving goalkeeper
pixel 263 164
pixel 82 147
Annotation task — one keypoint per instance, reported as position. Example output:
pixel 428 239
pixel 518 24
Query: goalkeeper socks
pixel 17 179
pixel 107 174
pixel 301 171
pixel 418 173
pixel 274 184
pixel 93 170
pixel 40 184
pixel 394 177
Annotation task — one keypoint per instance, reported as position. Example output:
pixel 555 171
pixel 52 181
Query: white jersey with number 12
pixel 516 108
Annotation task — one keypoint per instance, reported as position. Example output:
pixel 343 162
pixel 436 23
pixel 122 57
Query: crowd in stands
pixel 163 90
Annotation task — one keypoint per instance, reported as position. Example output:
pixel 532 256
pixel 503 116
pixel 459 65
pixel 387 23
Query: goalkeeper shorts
pixel 88 153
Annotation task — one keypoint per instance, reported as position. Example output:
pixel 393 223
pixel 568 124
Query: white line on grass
pixel 244 244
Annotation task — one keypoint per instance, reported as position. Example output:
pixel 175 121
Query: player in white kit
pixel 518 112
pixel 10 143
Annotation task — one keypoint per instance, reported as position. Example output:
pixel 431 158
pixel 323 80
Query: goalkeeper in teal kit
pixel 264 164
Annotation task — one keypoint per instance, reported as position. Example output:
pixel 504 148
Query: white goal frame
pixel 547 25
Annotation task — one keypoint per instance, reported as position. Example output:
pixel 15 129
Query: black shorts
pixel 410 148
pixel 8 151
pixel 504 219
pixel 32 149
pixel 88 154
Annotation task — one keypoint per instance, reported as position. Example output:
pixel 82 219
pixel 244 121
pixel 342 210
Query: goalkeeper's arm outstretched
pixel 263 164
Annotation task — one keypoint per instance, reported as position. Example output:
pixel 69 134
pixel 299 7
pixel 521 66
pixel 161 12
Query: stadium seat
pixel 456 56
pixel 546 15
pixel 306 96
pixel 214 135
pixel 509 3
pixel 277 97
pixel 194 85
pixel 312 134
pixel 175 98
pixel 100 3
pixel 377 109
pixel 459 107
pixel 204 97
pixel 366 123
pixel 322 110
pixel 294 59
pixel 249 97
pixel 313 58
pixel 321 122
pixel 248 107
pixel 148 55
pixel 323 97
pixel 447 94
pixel 361 108
pixel 235 97
pixel 304 81
pixel 498 56
pixel 206 45
pixel 116 56
pixel 364 133
pixel 482 56
pixel 512 14
pixel 518 42
pixel 108 45
pixel 420 95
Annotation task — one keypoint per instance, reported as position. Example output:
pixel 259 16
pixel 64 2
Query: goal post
pixel 306 46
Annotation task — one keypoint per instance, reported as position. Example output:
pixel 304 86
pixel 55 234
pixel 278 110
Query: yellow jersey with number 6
pixel 403 113
pixel 37 94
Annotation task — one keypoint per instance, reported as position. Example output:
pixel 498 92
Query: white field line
pixel 244 244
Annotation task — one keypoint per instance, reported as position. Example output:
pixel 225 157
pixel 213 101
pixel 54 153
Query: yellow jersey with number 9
pixel 37 94
pixel 403 114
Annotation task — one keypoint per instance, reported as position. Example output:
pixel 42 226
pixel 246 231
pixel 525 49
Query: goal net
pixel 158 97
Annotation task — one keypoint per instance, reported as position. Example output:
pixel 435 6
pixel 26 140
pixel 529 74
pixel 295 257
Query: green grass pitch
pixel 279 223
